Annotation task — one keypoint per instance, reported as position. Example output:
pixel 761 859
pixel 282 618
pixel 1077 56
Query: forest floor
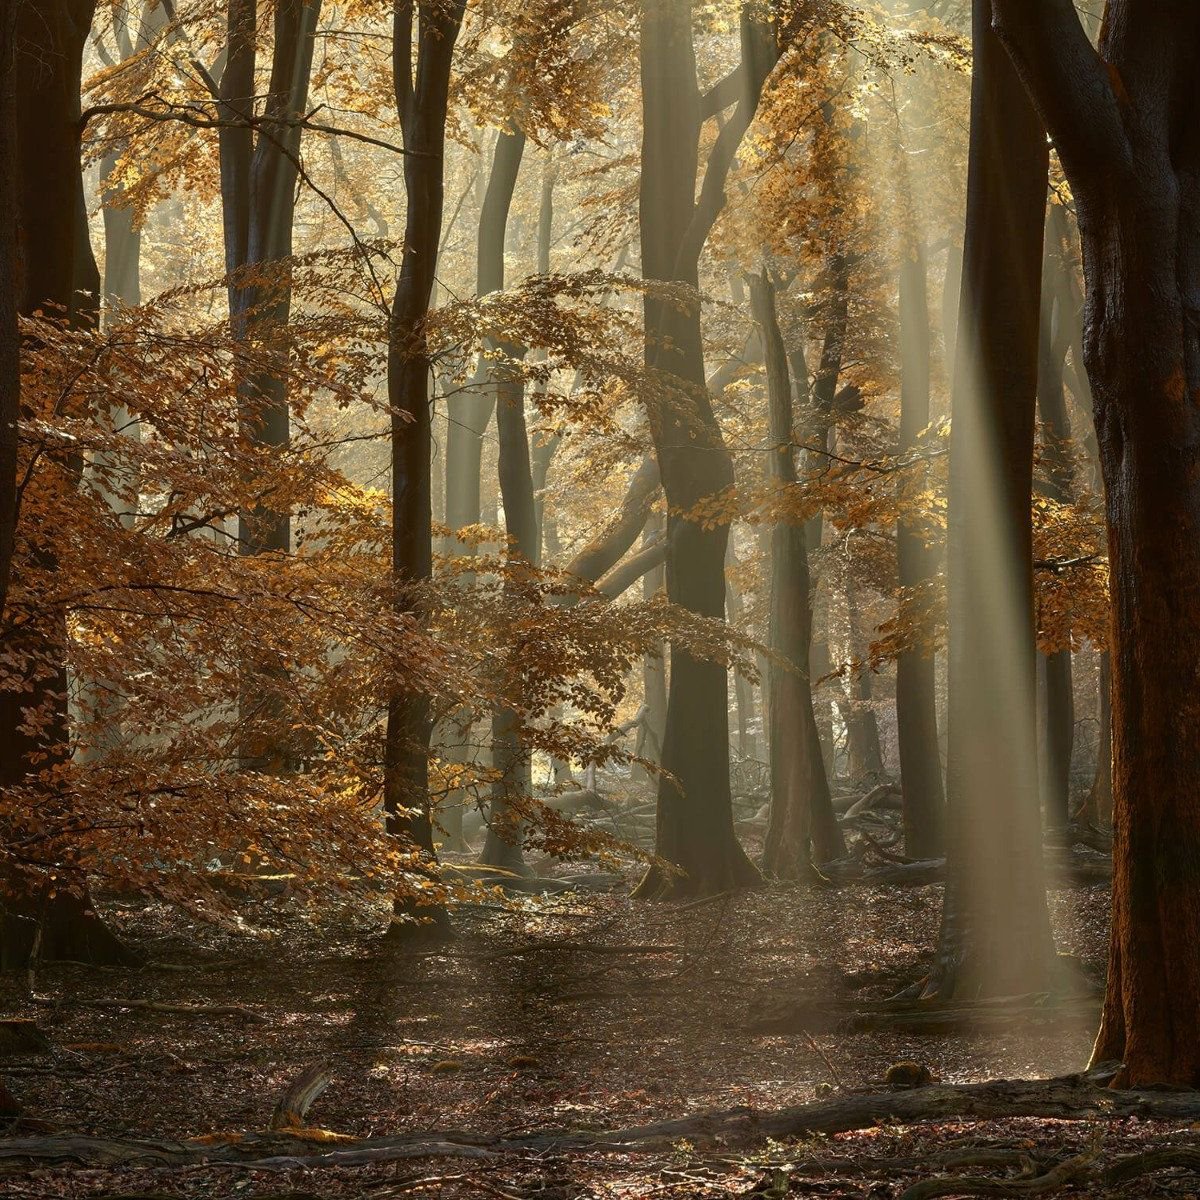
pixel 570 1012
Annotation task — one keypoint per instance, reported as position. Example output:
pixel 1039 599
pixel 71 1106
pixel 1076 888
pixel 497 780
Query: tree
pixel 10 338
pixel 995 937
pixel 916 696
pixel 258 190
pixel 1122 119
pixel 56 278
pixel 695 814
pixel 422 101
pixel 799 785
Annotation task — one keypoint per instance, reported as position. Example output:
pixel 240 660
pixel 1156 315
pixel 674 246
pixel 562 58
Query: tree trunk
pixel 258 185
pixel 502 847
pixel 1123 121
pixel 1059 729
pixel 916 688
pixel 654 666
pixel 818 433
pixel 10 338
pixel 471 412
pixel 801 817
pixel 995 937
pixel 421 102
pixel 57 275
pixel 864 750
pixel 1100 804
pixel 695 811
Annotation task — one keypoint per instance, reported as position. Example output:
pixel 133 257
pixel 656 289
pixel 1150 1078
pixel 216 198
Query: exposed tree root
pixel 930 1017
pixel 1072 1170
pixel 1080 1170
pixel 187 1010
pixel 1072 1098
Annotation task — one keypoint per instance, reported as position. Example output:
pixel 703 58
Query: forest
pixel 598 599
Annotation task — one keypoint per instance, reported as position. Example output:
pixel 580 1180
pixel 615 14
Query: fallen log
pixel 1070 1098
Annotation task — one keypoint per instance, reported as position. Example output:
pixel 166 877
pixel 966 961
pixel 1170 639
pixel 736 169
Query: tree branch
pixel 1069 83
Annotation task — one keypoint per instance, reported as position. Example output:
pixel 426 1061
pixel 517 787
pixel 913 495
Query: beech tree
pixel 1122 119
pixel 424 35
pixel 56 277
pixel 799 785
pixel 695 818
pixel 995 935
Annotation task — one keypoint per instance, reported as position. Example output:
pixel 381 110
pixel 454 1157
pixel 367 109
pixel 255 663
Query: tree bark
pixel 916 687
pixel 56 275
pixel 471 412
pixel 422 98
pixel 695 812
pixel 1123 121
pixel 258 184
pixel 801 819
pixel 10 337
pixel 1059 730
pixel 995 937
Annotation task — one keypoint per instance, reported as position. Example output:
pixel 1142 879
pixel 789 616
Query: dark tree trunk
pixel 1056 326
pixel 422 98
pixel 1124 123
pixel 818 433
pixel 695 810
pixel 801 818
pixel 56 275
pixel 10 339
pixel 499 390
pixel 916 690
pixel 995 938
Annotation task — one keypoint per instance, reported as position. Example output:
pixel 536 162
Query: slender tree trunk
pixel 471 412
pixel 862 728
pixel 258 185
pixel 1100 798
pixel 995 937
pixel 1059 730
pixel 818 433
pixel 801 816
pixel 422 98
pixel 916 686
pixel 654 666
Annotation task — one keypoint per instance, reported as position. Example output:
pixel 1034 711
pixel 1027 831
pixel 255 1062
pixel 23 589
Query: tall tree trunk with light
pixel 995 937
pixel 1123 120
